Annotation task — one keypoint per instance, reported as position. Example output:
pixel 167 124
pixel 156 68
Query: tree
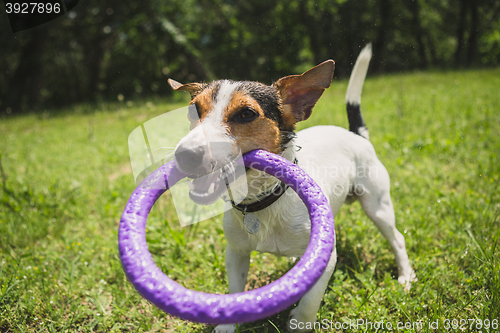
pixel 26 82
pixel 101 50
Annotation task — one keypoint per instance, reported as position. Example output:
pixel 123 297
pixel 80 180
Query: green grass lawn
pixel 66 179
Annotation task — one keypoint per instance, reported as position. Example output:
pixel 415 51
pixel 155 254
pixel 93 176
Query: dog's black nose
pixel 189 160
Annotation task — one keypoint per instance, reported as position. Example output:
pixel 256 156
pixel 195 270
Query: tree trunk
pixel 432 50
pixel 95 55
pixel 24 87
pixel 471 54
pixel 414 7
pixel 381 41
pixel 312 31
pixel 460 33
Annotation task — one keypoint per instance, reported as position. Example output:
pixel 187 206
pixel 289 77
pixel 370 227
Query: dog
pixel 246 116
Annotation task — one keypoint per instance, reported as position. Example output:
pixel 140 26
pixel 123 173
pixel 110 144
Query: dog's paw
pixel 226 328
pixel 406 280
pixel 298 322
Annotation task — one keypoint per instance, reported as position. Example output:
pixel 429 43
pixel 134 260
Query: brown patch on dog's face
pixel 259 132
pixel 204 103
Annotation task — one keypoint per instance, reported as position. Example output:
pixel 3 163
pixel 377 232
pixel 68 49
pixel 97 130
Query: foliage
pixel 436 132
pixel 102 51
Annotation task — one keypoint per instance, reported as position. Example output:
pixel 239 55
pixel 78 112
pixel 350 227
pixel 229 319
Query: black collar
pixel 266 201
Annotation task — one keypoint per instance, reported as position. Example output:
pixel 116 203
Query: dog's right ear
pixel 193 88
pixel 300 93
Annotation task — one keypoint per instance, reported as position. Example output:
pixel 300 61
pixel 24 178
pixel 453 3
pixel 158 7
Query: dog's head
pixel 234 117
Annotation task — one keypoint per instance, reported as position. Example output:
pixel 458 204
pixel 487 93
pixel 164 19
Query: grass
pixel 66 178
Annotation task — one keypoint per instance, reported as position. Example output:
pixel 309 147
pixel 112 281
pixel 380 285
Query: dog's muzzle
pixel 190 160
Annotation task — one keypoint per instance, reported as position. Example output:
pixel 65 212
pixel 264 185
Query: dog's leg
pixel 376 202
pixel 237 265
pixel 304 315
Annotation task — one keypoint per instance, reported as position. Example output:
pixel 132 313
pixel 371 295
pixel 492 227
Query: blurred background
pixel 115 50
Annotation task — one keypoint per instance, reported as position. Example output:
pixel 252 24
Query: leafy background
pixel 105 49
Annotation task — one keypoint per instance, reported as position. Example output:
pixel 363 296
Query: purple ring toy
pixel 248 306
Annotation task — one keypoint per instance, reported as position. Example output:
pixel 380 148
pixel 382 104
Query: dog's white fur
pixel 346 167
pixel 285 226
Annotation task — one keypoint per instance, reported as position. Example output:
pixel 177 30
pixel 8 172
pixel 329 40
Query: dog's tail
pixel 353 96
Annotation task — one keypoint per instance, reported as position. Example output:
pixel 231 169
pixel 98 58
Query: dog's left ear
pixel 193 88
pixel 300 93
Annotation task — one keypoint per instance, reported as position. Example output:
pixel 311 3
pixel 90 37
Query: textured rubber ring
pixel 247 306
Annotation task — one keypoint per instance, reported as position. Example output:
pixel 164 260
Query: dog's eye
pixel 246 115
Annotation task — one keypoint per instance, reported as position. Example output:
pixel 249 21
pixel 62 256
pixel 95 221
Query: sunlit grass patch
pixel 67 181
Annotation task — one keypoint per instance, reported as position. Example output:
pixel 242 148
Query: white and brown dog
pixel 248 115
